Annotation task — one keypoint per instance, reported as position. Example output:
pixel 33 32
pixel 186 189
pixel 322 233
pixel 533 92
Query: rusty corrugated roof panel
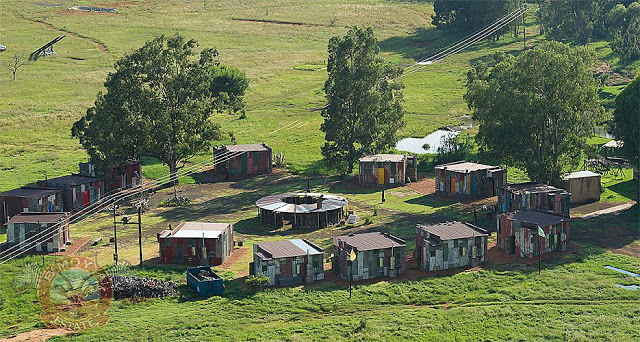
pixel 391 158
pixel 35 217
pixel 537 217
pixel 245 148
pixel 532 187
pixel 72 180
pixel 466 167
pixel 371 241
pixel 453 230
pixel 287 249
pixel 31 192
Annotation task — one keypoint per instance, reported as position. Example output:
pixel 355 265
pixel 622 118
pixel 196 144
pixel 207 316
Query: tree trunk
pixel 173 176
pixel 14 75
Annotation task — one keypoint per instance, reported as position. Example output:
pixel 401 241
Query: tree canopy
pixel 470 15
pixel 158 103
pixel 535 110
pixel 575 21
pixel 364 110
pixel 624 24
pixel 625 125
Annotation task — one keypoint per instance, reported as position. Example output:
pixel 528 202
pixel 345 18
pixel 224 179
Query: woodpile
pixel 137 287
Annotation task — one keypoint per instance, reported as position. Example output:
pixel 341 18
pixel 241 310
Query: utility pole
pixel 140 230
pixel 115 235
pixel 41 249
pixel 524 32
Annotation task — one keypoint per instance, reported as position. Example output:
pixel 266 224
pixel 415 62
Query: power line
pixel 16 250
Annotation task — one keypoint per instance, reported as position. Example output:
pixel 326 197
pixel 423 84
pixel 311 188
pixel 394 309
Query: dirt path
pixel 611 210
pixel 95 41
pixel 235 257
pixel 37 335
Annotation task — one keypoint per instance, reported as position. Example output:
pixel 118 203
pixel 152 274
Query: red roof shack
pixel 22 227
pixel 377 255
pixel 29 199
pixel 242 160
pixel 518 233
pixel 123 176
pixel 184 244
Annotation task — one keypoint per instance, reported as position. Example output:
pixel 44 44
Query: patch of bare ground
pixel 37 335
pixel 279 22
pixel 235 257
pixel 592 207
pixel 72 249
pixel 424 186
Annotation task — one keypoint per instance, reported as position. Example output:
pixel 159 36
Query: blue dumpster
pixel 204 281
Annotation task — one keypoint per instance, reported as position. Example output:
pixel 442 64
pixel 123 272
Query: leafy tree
pixel 471 15
pixel 575 21
pixel 625 124
pixel 158 103
pixel 625 28
pixel 535 110
pixel 364 110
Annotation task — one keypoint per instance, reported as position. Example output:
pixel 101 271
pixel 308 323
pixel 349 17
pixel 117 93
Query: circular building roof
pixel 285 203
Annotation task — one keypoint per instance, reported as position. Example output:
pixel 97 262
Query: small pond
pixel 414 145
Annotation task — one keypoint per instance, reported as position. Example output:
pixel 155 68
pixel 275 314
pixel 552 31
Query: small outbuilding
pixel 23 228
pixel 584 186
pixel 196 243
pixel 449 245
pixel 29 199
pixel 242 160
pixel 78 191
pixel 467 179
pixel 288 262
pixel 535 196
pixel 123 176
pixel 387 169
pixel 377 255
pixel 518 233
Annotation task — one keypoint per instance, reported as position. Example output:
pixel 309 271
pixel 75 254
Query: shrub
pixel 177 201
pixel 257 282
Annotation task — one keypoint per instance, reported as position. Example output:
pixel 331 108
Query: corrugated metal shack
pixel 448 245
pixel 302 209
pixel 377 255
pixel 584 186
pixel 518 231
pixel 28 199
pixel 242 160
pixel 123 176
pixel 288 262
pixel 24 226
pixel 387 169
pixel 196 243
pixel 469 179
pixel 535 196
pixel 78 191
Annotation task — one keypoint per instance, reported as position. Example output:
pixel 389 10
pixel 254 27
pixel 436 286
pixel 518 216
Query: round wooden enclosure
pixel 302 209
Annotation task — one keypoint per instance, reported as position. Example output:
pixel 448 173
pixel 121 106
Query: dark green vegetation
pixel 626 121
pixel 536 110
pixel 625 28
pixel 364 100
pixel 470 15
pixel 158 104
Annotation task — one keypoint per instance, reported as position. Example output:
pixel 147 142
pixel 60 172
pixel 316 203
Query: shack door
pixel 244 164
pixel 380 175
pixel 250 165
pixel 453 185
pixel 86 197
pixel 474 185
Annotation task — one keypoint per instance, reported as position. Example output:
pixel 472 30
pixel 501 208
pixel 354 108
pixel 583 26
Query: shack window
pixel 381 262
pixel 433 253
pixel 297 268
pixel 367 168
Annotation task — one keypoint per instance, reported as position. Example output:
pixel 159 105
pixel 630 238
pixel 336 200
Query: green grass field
pixel 281 45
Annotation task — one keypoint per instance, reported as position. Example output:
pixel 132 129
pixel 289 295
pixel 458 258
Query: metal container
pixel 209 285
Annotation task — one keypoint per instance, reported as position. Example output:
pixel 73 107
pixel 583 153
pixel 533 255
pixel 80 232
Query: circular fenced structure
pixel 302 209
